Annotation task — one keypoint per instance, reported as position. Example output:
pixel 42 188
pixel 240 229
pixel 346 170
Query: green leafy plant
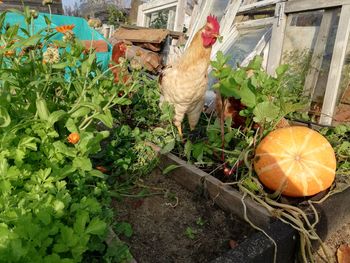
pixel 266 98
pixel 55 206
pixel 161 20
pixel 191 233
pixel 116 17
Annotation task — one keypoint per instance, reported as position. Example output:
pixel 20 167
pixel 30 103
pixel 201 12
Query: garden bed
pixel 258 247
pixel 172 224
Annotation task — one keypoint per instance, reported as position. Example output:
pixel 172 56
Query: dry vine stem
pixel 292 216
pixel 258 228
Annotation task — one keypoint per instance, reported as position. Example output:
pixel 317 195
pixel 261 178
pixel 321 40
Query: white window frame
pixel 339 50
pixel 158 5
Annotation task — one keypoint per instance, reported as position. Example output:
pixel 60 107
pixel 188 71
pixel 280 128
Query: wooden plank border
pixel 276 44
pixel 257 5
pixel 334 76
pixel 223 195
pixel 317 56
pixel 255 23
pixel 293 6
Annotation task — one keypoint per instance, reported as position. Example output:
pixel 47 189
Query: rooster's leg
pixel 179 115
pixel 194 115
pixel 180 131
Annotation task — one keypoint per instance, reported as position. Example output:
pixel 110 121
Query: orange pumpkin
pixel 297 160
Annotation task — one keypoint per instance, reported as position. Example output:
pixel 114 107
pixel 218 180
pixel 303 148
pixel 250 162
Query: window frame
pixel 158 5
pixel 282 10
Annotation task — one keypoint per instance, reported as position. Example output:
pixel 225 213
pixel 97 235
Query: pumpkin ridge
pixel 273 155
pixel 277 163
pixel 281 145
pixel 320 165
pixel 290 168
pixel 294 148
pixel 311 173
pixel 324 146
pixel 306 140
pixel 301 177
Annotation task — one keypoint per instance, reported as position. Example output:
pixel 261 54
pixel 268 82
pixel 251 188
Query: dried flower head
pixel 34 13
pixel 47 2
pixel 94 22
pixel 51 55
pixel 68 36
pixel 136 65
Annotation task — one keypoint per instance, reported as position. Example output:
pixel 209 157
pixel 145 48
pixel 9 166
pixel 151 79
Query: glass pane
pixel 162 19
pixel 245 44
pixel 218 8
pixel 304 32
pixel 215 7
pixel 301 33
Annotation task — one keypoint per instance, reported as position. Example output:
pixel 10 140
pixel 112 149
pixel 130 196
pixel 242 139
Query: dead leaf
pixel 343 254
pixel 233 243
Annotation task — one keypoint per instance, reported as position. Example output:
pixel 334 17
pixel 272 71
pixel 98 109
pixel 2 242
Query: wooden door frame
pixel 282 10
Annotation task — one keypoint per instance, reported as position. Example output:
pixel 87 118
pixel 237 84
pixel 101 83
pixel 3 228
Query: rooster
pixel 184 83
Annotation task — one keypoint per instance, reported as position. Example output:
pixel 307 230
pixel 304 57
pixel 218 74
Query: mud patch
pixel 175 225
pixel 337 238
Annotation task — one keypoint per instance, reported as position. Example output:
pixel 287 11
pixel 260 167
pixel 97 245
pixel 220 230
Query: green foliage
pixel 226 149
pixel 55 206
pixel 339 138
pixel 191 233
pixel 116 17
pixel 265 97
pixel 161 20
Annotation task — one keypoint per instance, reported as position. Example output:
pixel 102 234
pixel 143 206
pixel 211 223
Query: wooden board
pixel 257 5
pixel 277 38
pixel 223 195
pixel 255 23
pixel 141 35
pixel 317 56
pixel 339 52
pixel 306 5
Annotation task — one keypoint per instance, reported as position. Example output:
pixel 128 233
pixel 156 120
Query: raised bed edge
pixel 226 197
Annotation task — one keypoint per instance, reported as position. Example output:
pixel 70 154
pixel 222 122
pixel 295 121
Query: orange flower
pixel 10 53
pixel 73 138
pixel 63 29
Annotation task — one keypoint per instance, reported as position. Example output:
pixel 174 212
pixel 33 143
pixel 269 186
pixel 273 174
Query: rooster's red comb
pixel 214 22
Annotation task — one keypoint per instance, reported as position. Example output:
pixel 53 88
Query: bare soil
pixel 175 225
pixel 337 238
